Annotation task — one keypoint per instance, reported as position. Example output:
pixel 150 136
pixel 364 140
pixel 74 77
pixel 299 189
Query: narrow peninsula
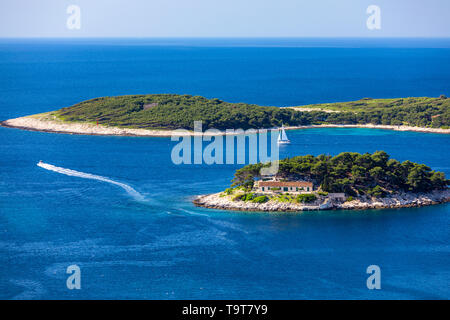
pixel 160 114
pixel 347 181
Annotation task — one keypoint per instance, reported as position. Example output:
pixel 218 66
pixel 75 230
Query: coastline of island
pixel 41 122
pixel 160 115
pixel 220 201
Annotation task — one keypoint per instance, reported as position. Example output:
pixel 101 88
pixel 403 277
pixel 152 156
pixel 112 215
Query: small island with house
pixel 349 180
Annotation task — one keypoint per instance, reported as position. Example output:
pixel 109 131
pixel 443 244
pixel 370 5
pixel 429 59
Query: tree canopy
pixel 352 173
pixel 170 111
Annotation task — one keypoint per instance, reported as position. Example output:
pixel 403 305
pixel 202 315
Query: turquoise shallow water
pixel 164 247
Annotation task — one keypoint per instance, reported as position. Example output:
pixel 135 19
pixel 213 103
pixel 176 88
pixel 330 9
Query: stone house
pixel 284 186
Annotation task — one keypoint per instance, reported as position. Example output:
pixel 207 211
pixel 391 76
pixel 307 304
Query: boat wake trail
pixel 136 195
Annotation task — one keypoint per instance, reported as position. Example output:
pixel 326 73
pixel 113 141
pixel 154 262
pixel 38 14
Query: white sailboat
pixel 282 137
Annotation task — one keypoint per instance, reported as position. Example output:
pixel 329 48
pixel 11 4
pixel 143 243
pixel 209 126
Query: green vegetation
pixel 377 191
pixel 170 111
pixel 261 199
pixel 419 112
pixel 306 197
pixel 352 173
pixel 250 197
pixel 244 197
pixel 283 198
pixel 237 197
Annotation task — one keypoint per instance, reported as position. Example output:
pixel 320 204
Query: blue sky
pixel 224 18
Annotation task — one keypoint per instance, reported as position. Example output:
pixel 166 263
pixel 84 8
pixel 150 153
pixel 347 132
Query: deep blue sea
pixel 164 247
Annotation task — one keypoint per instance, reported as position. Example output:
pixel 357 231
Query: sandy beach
pixel 44 123
pixel 373 126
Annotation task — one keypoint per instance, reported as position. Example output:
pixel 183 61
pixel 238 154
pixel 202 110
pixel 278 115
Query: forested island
pixel 349 180
pixel 146 114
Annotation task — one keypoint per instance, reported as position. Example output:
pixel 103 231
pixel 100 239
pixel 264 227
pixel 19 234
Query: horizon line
pixel 226 37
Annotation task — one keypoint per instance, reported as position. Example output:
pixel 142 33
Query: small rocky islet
pixel 349 180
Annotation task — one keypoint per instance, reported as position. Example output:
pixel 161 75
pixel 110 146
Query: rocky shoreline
pixel 45 123
pixel 400 200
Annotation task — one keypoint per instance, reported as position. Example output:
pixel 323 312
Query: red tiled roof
pixel 285 184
